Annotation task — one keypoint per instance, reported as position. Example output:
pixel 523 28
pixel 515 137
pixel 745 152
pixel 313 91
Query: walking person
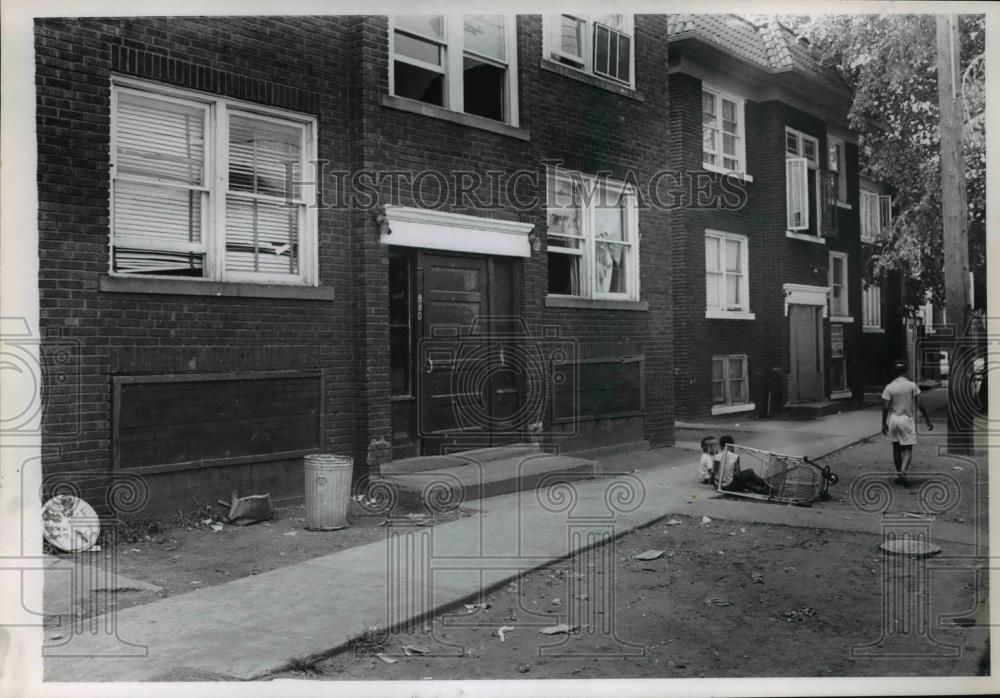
pixel 900 403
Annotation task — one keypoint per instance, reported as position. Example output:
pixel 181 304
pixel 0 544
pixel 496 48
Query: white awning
pixel 454 232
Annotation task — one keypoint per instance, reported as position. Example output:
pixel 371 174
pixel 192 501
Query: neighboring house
pixel 767 288
pixel 226 324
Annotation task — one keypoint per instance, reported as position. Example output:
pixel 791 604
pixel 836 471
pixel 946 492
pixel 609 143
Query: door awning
pixel 455 232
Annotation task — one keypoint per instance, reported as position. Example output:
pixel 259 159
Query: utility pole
pixel 954 217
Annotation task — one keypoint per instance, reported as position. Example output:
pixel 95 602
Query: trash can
pixel 328 491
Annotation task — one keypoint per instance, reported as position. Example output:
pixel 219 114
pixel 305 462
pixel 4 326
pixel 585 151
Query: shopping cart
pixel 790 479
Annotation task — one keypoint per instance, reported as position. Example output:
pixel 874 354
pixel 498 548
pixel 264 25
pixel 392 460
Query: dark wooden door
pixel 805 382
pixel 467 395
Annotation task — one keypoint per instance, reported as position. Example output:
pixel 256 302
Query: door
pixel 468 388
pixel 805 382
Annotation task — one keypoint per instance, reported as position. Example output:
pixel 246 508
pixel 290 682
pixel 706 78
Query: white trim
pixel 843 204
pixel 732 409
pixel 802 294
pixel 743 176
pixel 840 394
pixel 586 59
pixel 802 236
pixel 741 130
pixel 455 232
pixel 841 318
pixel 845 283
pixel 716 314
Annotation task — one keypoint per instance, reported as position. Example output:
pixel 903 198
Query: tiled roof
pixel 771 46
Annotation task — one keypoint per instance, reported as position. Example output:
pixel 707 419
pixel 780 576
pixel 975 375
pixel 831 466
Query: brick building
pixel 245 267
pixel 767 288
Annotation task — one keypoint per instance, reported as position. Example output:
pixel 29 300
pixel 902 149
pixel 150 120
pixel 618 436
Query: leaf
pixel 561 629
pixel 648 555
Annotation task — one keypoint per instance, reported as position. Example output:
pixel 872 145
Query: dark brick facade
pixel 335 69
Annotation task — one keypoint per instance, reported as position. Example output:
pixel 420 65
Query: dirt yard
pixel 724 600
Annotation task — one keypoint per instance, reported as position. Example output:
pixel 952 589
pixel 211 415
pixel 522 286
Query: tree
pixel 889 62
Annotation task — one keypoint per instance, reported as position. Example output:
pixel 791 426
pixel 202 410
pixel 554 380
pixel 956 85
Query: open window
pixel 463 63
pixel 601 45
pixel 810 193
pixel 205 187
pixel 593 246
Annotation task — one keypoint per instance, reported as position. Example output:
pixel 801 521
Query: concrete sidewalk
pixel 251 626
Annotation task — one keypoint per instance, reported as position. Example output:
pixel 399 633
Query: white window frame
pixel 741 156
pixel 585 63
pixel 728 406
pixel 216 185
pixel 876 215
pixel 812 163
pixel 452 65
pixel 719 312
pixel 844 316
pixel 588 246
pixel 871 309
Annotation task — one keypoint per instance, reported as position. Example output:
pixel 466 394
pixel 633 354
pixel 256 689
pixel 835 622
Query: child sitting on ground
pixel 732 476
pixel 706 464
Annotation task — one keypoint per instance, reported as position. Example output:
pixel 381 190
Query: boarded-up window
pixel 198 419
pixel 603 388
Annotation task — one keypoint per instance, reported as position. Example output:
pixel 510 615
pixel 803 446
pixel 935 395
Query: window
pixel 723 131
pixel 871 308
pixel 596 44
pixel 839 167
pixel 876 215
pixel 838 285
pixel 729 380
pixel 204 187
pixel 806 189
pixel 466 64
pixel 726 276
pixel 592 237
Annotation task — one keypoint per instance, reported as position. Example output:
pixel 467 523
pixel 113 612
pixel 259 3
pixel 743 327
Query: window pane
pixel 428 25
pixel 563 208
pixel 485 34
pixel 728 144
pixel 835 156
pixel 718 368
pixel 737 393
pixel 259 153
pixel 708 107
pixel 838 270
pixel 564 274
pixel 157 138
pixel 709 139
pixel 570 39
pixel 610 267
pixel 484 85
pixel 712 254
pixel 729 112
pixel 733 259
pixel 609 218
pixel 420 50
pixel 418 83
pixel 624 58
pixel 161 214
pixel 733 300
pixel 730 163
pixel 602 40
pixel 261 237
pixel 736 368
pixel 791 143
pixel 809 148
pixel 712 280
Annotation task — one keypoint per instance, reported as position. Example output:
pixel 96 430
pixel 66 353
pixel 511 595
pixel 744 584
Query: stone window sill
pixel 188 287
pixel 713 314
pixel 594 303
pixel 435 112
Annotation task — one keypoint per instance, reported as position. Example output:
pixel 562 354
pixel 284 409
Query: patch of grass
pixel 371 642
pixel 304 665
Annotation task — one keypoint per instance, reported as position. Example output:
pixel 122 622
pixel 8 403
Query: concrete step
pixel 443 489
pixel 480 455
pixel 813 410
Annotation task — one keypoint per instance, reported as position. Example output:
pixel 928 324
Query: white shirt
pixel 902 394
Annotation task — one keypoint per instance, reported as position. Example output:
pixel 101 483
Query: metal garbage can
pixel 328 490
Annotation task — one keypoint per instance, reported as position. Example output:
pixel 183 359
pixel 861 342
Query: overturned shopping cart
pixel 789 479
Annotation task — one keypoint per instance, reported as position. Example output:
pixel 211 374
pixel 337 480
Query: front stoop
pixel 444 482
pixel 814 410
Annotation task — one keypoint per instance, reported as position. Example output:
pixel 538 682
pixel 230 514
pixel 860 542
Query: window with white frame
pixel 593 248
pixel 876 215
pixel 726 275
pixel 838 285
pixel 730 385
pixel 723 131
pixel 462 63
pixel 802 182
pixel 871 307
pixel 206 187
pixel 597 44
pixel 838 165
